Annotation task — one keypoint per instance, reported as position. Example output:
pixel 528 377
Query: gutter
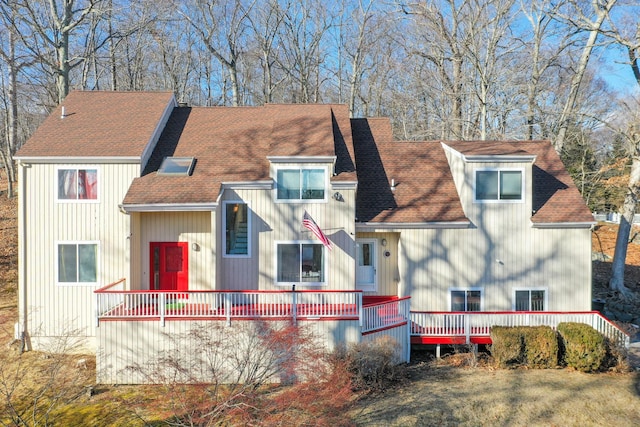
pixel 168 207
pixel 21 328
pixel 373 226
pixel 551 225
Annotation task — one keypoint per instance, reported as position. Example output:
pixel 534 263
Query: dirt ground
pixel 603 241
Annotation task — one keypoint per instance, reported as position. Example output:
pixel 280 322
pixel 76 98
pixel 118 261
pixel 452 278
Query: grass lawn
pixel 442 395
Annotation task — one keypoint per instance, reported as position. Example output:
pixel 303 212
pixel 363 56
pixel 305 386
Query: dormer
pixel 492 178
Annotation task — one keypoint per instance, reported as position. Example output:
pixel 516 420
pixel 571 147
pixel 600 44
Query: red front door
pixel 169 266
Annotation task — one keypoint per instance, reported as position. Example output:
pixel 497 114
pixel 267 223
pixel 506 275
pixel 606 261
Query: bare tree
pixel 488 28
pixel 593 23
pixel 14 64
pixel 49 24
pixel 306 25
pixel 628 36
pixel 443 43
pixel 221 27
pixel 548 41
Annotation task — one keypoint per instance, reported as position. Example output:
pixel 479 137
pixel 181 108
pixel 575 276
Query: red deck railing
pixel 114 302
pixel 475 327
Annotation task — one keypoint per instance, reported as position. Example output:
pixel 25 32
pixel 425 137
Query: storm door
pixel 366 264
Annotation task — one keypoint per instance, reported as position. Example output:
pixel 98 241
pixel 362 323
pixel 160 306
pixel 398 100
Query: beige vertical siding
pixel 273 222
pixel 436 260
pixel 123 345
pixel 52 309
pixel 501 251
pixel 191 227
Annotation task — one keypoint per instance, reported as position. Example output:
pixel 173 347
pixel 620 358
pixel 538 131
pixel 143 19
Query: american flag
pixel 310 224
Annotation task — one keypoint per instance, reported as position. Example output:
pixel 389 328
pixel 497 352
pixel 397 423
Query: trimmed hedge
pixel 536 346
pixel 583 347
pixel 541 347
pixel 507 346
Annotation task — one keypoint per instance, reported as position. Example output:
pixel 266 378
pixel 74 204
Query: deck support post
pixel 438 351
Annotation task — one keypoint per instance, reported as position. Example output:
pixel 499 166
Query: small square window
pixel 498 185
pixel 300 263
pixel 77 184
pixel 77 263
pixel 176 166
pixel 466 300
pixel 529 300
pixel 300 184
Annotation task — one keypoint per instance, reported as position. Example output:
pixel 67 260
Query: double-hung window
pixel 301 184
pixel 530 300
pixel 77 263
pixel 466 299
pixel 300 262
pixel 237 224
pixel 75 184
pixel 498 185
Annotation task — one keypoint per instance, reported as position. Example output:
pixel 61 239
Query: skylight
pixel 176 166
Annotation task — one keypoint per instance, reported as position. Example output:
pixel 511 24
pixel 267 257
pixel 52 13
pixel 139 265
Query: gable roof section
pixel 556 199
pixel 424 188
pixel 99 124
pixel 232 145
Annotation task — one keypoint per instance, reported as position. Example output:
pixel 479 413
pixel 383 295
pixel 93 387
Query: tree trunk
pixel 624 230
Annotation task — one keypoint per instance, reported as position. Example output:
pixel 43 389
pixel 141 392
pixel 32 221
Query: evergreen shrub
pixel 507 346
pixel 540 346
pixel 582 347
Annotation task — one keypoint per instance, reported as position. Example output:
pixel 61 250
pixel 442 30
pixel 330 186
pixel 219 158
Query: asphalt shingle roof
pixel 235 144
pixel 99 124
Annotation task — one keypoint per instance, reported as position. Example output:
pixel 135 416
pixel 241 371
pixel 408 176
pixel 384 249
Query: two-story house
pixel 141 217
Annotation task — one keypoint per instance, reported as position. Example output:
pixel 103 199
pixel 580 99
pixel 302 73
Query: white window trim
pixel 299 242
pixel 369 287
pixel 224 228
pixel 539 288
pixel 77 242
pixel 522 186
pixel 481 289
pixel 305 167
pixel 76 168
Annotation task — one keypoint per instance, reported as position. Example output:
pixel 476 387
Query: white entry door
pixel 366 264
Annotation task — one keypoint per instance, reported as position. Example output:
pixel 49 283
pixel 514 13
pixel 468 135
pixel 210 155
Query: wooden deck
pixel 374 314
pixel 184 310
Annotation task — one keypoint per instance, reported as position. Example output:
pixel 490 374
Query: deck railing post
pixel 162 305
pixel 294 303
pixel 359 308
pixel 228 307
pixel 467 328
pixel 96 300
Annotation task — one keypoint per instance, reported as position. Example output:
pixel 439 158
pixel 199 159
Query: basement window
pixel 182 166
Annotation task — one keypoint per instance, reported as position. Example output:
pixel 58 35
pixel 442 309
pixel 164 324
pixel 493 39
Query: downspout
pixel 21 329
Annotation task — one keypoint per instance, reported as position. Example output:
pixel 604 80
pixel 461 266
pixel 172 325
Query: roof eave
pixel 168 207
pixel 79 160
pixel 499 158
pixel 550 225
pixel 372 226
pixel 302 159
